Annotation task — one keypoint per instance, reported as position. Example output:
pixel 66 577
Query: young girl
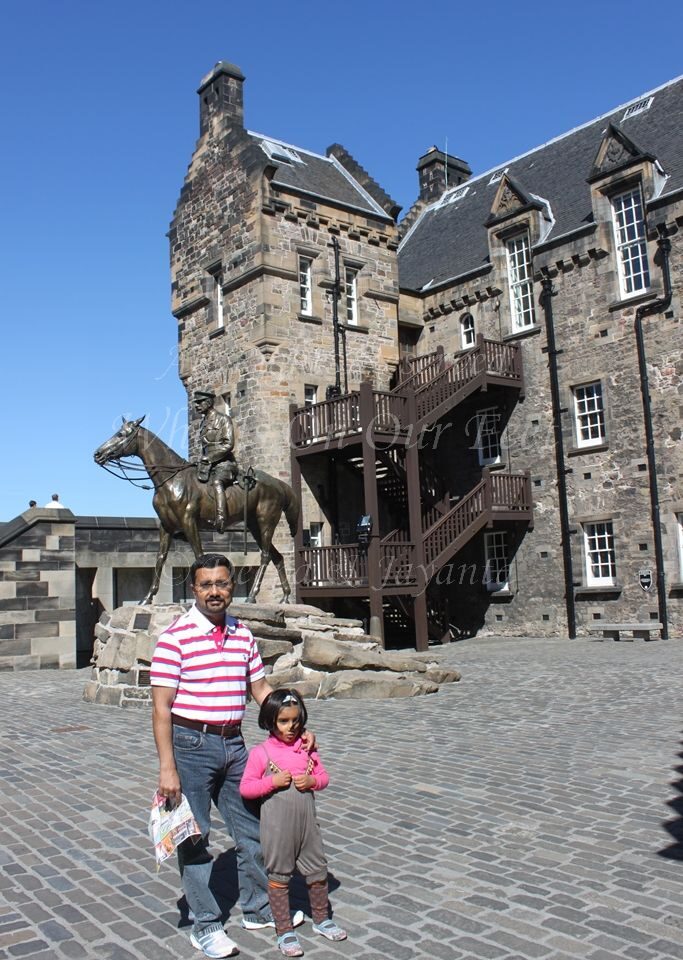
pixel 281 772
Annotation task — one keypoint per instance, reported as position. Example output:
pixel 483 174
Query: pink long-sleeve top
pixel 257 780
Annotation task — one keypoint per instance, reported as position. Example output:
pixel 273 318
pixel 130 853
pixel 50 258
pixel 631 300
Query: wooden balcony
pixel 438 386
pixel 343 569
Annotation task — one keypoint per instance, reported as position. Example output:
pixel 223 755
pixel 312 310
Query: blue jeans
pixel 210 769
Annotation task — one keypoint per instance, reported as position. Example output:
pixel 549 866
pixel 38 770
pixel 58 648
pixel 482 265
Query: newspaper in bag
pixel 168 828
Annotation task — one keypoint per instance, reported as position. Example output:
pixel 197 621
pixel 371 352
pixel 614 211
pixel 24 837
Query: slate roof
pixel 316 176
pixel 449 239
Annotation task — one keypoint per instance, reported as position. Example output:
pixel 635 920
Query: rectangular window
pixel 679 518
pixel 631 243
pixel 601 567
pixel 488 436
pixel 589 414
pixel 351 295
pixel 305 286
pixel 316 534
pixel 310 394
pixel 520 281
pixel 218 299
pixel 467 334
pixel 497 569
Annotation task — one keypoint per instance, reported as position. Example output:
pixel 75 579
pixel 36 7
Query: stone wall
pixel 59 572
pixel 237 236
pixel 595 336
pixel 37 590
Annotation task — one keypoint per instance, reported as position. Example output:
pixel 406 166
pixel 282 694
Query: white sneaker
pixel 214 942
pixel 297 919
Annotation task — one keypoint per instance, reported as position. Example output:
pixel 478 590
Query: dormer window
pixel 631 242
pixel 520 281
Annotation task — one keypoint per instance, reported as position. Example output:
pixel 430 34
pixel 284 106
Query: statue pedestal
pixel 124 644
pixel 322 656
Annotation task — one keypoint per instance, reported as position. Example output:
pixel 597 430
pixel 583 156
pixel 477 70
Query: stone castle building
pixel 480 404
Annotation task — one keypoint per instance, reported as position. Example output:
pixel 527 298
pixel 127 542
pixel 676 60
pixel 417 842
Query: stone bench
pixel 613 631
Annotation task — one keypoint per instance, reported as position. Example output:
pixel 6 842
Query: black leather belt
pixel 226 730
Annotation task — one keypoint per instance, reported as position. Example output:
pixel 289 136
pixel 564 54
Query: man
pixel 202 669
pixel 218 462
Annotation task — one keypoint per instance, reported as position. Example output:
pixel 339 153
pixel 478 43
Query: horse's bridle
pixel 124 465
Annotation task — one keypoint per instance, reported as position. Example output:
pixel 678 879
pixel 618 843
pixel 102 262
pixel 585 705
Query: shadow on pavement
pixel 225 887
pixel 675 827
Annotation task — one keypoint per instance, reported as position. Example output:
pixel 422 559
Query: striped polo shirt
pixel 209 666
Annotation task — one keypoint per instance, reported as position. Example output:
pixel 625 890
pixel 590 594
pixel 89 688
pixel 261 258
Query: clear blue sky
pixel 100 116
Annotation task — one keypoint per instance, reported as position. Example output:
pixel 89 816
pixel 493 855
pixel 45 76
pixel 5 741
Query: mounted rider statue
pixel 217 465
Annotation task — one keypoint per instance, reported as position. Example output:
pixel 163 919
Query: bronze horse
pixel 184 505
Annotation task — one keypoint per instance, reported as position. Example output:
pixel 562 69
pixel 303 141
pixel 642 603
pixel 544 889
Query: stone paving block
pixel 54 931
pixel 527 948
pixel 481 948
pixel 667 948
pixel 72 949
pixel 29 948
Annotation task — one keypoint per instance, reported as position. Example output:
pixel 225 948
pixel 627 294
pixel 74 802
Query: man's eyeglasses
pixel 207 585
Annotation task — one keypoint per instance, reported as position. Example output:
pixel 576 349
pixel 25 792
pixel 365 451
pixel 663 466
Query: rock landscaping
pixel 320 655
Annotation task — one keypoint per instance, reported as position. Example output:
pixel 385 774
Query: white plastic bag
pixel 168 828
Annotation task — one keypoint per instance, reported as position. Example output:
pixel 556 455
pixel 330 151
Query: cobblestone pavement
pixel 528 811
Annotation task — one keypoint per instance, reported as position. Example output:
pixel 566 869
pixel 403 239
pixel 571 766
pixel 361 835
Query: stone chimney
pixel 439 172
pixel 220 97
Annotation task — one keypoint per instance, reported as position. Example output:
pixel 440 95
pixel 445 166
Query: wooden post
pixel 367 414
pixel 295 467
pixel 415 521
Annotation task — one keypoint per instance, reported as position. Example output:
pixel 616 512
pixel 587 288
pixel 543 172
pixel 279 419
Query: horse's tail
pixel 292 510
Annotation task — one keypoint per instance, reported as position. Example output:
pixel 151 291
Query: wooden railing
pixel 489 357
pixel 433 380
pixel 337 565
pixel 416 371
pixel 502 359
pixel 347 564
pixel 341 417
pixel 511 492
pixel 453 524
pixel 397 562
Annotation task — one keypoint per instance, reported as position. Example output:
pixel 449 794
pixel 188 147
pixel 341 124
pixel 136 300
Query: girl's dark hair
pixel 274 702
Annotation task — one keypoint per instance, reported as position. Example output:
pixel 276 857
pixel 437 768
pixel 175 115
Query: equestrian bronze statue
pixel 185 504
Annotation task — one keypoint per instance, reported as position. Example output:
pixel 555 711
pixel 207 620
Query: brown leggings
pixel 278 894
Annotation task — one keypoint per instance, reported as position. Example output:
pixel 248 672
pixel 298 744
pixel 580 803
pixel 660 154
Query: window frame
pixel 600 556
pixel 305 265
pixel 679 534
pixel 351 295
pixel 520 281
pixel 467 329
pixel 584 419
pixel 623 244
pixel 316 535
pixel 483 417
pixel 496 554
pixel 219 315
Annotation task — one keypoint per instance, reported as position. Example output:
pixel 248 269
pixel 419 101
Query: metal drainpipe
pixel 547 304
pixel 656 306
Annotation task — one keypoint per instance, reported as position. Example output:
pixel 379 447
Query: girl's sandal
pixel 289 945
pixel 330 930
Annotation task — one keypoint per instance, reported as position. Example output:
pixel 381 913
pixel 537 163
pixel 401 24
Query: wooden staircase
pixel 394 570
